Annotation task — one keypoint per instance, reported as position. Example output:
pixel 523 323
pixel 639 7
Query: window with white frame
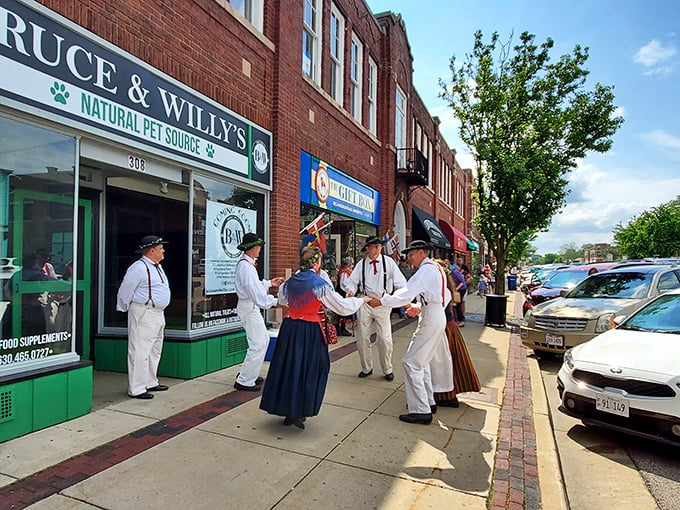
pixel 337 49
pixel 460 199
pixel 372 96
pixel 400 127
pixel 311 40
pixel 252 10
pixel 356 76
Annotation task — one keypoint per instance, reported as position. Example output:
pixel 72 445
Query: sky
pixel 634 46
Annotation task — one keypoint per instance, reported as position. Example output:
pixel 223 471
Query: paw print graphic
pixel 210 150
pixel 59 92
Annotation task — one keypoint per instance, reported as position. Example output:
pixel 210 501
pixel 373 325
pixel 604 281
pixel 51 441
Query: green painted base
pixel 182 360
pixel 62 394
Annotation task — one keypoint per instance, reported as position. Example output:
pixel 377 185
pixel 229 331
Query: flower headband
pixel 307 264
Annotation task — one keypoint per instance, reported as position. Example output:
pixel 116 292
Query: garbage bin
pixel 512 282
pixel 495 309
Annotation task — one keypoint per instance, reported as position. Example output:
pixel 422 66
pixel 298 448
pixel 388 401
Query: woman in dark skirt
pixel 298 372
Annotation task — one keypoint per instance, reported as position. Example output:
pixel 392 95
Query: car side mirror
pixel 619 319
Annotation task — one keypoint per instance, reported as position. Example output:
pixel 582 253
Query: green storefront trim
pixel 180 359
pixel 59 394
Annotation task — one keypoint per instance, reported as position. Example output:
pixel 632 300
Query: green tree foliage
pixel 570 253
pixel 654 233
pixel 526 120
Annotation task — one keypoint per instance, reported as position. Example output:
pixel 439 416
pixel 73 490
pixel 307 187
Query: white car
pixel 628 378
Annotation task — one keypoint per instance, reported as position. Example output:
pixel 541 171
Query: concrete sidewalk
pixel 204 445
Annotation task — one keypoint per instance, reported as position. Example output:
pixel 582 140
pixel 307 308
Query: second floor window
pixel 400 127
pixel 356 77
pixel 311 40
pixel 337 50
pixel 252 10
pixel 372 96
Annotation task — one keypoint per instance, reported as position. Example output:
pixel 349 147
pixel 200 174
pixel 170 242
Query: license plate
pixel 556 340
pixel 612 404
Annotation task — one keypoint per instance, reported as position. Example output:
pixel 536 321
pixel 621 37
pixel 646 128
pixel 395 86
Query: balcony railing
pixel 412 167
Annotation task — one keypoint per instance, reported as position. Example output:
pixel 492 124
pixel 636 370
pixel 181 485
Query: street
pixel 603 468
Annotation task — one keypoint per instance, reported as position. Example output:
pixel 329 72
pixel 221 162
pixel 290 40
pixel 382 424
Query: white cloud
pixel 654 56
pixel 664 141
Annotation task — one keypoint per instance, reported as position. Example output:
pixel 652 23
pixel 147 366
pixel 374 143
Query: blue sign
pixel 328 188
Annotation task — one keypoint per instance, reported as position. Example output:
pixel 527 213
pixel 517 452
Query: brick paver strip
pixel 515 476
pixel 54 479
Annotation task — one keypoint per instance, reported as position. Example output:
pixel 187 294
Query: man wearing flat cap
pixel 253 296
pixel 144 294
pixel 375 276
pixel 428 285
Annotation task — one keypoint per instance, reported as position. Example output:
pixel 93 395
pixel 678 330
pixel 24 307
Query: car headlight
pixel 527 316
pixel 569 360
pixel 604 323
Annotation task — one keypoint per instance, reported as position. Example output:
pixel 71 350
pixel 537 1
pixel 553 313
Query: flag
pixel 394 246
pixel 315 225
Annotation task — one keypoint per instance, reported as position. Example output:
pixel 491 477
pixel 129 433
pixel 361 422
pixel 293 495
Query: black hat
pixel 149 242
pixel 249 241
pixel 417 245
pixel 373 240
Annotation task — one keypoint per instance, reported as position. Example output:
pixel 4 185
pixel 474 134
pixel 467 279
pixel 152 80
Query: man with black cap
pixel 144 294
pixel 253 295
pixel 428 284
pixel 375 276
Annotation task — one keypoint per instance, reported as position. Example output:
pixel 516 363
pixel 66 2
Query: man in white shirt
pixel 428 284
pixel 253 296
pixel 375 276
pixel 144 294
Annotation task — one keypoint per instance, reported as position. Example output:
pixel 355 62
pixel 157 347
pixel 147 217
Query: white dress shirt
pixel 374 278
pixel 249 285
pixel 141 276
pixel 428 283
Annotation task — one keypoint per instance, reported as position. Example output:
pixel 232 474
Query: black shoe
pixel 433 408
pixel 243 387
pixel 292 420
pixel 388 377
pixel 259 380
pixel 449 403
pixel 160 387
pixel 144 396
pixel 422 418
pixel 344 332
pixel 363 374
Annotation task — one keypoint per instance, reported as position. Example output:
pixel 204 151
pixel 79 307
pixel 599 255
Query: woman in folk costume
pixel 298 373
pixel 344 273
pixel 464 373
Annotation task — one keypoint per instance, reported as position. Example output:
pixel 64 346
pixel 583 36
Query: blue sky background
pixel 634 46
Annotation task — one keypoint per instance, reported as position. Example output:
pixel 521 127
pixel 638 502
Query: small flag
pixel 315 225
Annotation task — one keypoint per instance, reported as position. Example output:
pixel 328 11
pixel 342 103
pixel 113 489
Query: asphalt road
pixel 605 469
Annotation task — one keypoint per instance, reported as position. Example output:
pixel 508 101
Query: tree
pixel 527 121
pixel 570 253
pixel 655 233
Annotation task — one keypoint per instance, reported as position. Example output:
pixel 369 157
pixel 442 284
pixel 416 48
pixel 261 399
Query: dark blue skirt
pixel 298 372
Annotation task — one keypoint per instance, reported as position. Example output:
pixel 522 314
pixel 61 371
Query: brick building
pixel 196 120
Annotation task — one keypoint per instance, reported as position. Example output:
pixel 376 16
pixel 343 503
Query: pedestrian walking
pixel 375 276
pixel 253 296
pixel 428 286
pixel 298 372
pixel 143 294
pixel 461 288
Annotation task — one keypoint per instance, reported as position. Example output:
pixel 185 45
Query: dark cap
pixel 373 240
pixel 149 242
pixel 417 245
pixel 249 241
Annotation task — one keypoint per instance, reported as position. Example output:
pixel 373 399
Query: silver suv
pixel 589 308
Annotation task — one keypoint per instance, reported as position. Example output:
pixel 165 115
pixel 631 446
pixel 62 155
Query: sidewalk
pixel 205 445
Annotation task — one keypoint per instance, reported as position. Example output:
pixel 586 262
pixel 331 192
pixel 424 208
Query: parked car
pixel 628 378
pixel 540 275
pixel 589 308
pixel 561 279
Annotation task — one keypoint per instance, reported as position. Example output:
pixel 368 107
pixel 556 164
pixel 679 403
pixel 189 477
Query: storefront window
pixel 223 213
pixel 36 246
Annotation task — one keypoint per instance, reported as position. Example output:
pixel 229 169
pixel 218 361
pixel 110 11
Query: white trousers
pixel 371 319
pixel 258 340
pixel 145 344
pixel 422 349
pixel 441 367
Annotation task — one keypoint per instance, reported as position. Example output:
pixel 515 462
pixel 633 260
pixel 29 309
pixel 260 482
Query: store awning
pixel 473 246
pixel 455 236
pixel 426 228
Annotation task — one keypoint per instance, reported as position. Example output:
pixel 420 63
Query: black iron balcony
pixel 412 167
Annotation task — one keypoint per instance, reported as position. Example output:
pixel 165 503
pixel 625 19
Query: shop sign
pixel 75 75
pixel 328 188
pixel 225 226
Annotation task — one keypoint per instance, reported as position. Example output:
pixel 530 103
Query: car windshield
pixel 661 315
pixel 624 285
pixel 565 279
